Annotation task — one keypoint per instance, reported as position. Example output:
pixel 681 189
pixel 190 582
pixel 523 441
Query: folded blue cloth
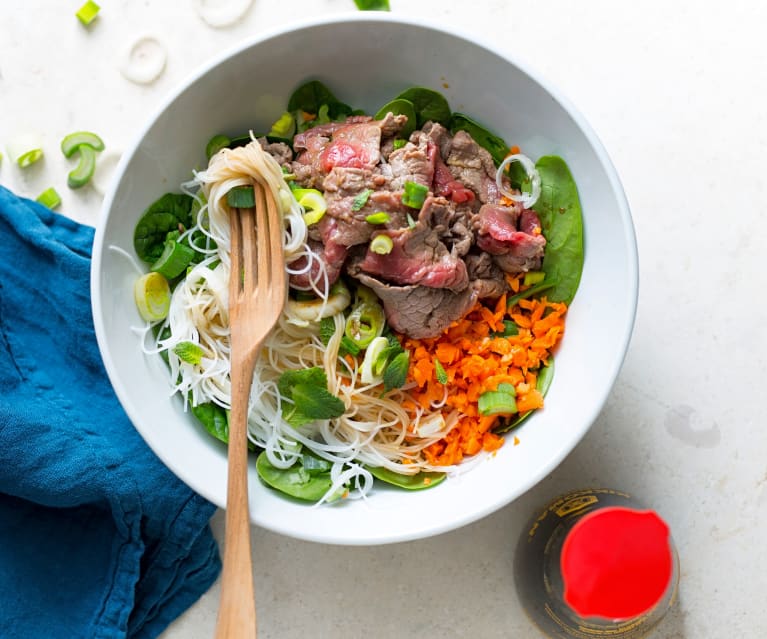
pixel 97 537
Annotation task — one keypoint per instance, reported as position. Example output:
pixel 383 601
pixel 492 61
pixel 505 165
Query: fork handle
pixel 237 610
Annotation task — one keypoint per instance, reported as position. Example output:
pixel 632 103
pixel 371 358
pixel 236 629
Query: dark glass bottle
pixel 596 563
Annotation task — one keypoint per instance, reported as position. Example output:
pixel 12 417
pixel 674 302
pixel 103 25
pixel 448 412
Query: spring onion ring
pixel 222 13
pixel 144 61
pixel 525 199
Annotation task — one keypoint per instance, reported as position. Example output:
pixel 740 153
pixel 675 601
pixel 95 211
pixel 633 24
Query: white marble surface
pixel 676 92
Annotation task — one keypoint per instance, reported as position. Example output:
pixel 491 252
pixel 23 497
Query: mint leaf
pixel 361 200
pixel 440 371
pixel 316 402
pixel 396 372
pixel 327 329
pixel 314 376
pixel 308 390
pixel 188 352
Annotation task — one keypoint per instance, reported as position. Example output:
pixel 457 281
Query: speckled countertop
pixel 676 93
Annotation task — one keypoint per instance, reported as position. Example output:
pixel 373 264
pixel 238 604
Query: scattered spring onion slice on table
pixel 222 13
pixel 49 198
pixel 82 173
pixel 88 12
pixel 144 61
pixel 372 5
pixel 74 141
pixel 152 295
pixel 26 149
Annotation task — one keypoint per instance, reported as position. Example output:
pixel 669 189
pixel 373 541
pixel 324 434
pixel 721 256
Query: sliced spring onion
pixel 374 349
pixel 215 144
pixel 49 198
pixel 399 143
pixel 380 217
pixel 25 148
pixel 534 277
pixel 73 141
pixel 414 194
pixel 222 13
pixel 498 402
pixel 525 199
pixel 144 61
pixel 29 157
pixel 174 259
pixel 241 197
pixel 431 425
pixel 410 221
pixel 152 295
pixel 365 323
pixel 189 352
pixel 82 173
pixel 313 203
pixel 381 244
pixel 88 12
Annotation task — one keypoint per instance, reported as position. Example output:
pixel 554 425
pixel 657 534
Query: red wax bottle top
pixel 616 563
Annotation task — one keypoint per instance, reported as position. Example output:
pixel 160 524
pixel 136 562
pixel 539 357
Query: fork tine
pixel 278 275
pixel 249 251
pixel 235 232
pixel 264 233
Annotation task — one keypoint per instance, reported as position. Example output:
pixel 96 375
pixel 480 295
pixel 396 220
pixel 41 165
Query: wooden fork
pixel 257 293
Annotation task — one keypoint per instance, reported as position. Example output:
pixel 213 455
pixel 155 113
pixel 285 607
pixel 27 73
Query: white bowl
pixel 367 59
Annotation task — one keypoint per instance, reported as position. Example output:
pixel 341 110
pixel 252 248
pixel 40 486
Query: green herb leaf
pixel 189 352
pixel 396 372
pixel 428 105
pixel 400 106
pixel 327 329
pixel 361 200
pixel 440 371
pixel 308 391
pixel 419 481
pixel 295 481
pixel 559 210
pixel 372 5
pixel 161 217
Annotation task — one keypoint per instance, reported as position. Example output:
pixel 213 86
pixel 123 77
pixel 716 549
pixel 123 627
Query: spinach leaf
pixel 309 97
pixel 428 105
pixel 295 481
pixel 400 106
pixel 372 5
pixel 214 419
pixel 496 146
pixel 160 218
pixel 545 377
pixel 559 210
pixel 420 481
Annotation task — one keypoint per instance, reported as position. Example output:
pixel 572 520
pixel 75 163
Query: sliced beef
pixel 452 223
pixel 439 136
pixel 414 162
pixel 278 150
pixel 330 255
pixel 420 311
pixel 419 255
pixel 473 167
pixel 355 143
pixel 486 276
pixel 512 236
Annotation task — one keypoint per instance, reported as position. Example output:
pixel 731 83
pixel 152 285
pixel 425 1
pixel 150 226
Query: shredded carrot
pixel 477 358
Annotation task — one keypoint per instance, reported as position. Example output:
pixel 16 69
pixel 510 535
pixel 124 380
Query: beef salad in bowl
pixel 431 345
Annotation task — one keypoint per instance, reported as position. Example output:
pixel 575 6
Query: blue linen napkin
pixel 97 537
